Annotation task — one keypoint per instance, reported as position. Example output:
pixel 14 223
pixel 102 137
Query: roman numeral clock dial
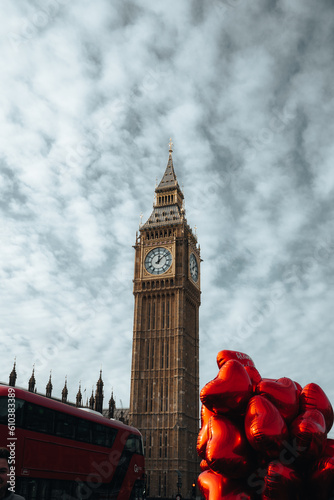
pixel 193 266
pixel 158 260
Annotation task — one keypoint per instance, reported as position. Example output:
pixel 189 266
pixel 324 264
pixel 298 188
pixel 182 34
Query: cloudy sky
pixel 90 94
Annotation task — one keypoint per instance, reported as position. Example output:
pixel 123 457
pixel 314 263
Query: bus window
pixel 65 425
pixel 134 444
pixel 19 411
pixel 83 431
pixel 44 489
pixel 19 404
pixel 57 490
pixel 110 436
pixel 39 418
pixel 3 411
pixel 99 434
pixel 32 490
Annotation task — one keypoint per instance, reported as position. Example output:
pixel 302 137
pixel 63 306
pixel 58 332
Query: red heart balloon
pixel 322 480
pixel 227 450
pixel 217 487
pixel 283 393
pixel 203 434
pixel 299 387
pixel 204 465
pixel 309 432
pixel 226 355
pixel 265 428
pixel 229 391
pixel 202 440
pixel 313 397
pixel 206 414
pixel 244 359
pixel 281 483
pixel 210 485
pixel 253 375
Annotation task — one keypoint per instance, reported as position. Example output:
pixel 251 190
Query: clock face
pixel 158 260
pixel 193 266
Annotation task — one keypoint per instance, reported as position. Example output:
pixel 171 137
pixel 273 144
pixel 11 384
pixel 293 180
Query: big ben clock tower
pixel 164 400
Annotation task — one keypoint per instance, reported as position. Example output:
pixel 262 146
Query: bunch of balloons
pixel 263 438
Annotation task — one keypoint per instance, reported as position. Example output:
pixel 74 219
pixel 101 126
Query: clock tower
pixel 164 399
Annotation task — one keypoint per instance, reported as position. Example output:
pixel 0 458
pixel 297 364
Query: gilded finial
pixel 170 145
pixel 141 219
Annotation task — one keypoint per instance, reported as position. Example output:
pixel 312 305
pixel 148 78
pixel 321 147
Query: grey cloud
pixel 90 96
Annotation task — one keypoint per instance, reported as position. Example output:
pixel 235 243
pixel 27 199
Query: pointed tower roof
pixel 168 203
pixel 49 387
pixel 32 381
pixel 79 396
pixel 112 406
pixel 169 179
pixel 98 404
pixel 64 392
pixel 92 400
pixel 13 375
pixel 99 383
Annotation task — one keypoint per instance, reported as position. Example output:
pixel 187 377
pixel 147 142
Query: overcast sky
pixel 90 93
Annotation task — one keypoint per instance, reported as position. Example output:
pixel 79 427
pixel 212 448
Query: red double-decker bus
pixel 65 453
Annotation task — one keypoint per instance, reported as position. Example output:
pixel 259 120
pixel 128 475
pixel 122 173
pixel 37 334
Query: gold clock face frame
pixel 193 267
pixel 158 261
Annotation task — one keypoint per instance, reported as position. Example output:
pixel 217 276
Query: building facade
pixel 164 398
pixel 93 403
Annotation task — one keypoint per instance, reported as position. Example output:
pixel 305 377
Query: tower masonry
pixel 164 398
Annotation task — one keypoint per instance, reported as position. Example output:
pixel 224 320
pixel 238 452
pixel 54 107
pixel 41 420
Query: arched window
pixel 149 316
pixel 152 362
pixel 166 397
pixel 147 364
pixel 168 313
pixel 153 317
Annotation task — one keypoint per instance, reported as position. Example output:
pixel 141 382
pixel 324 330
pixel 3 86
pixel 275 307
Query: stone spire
pixel 79 396
pixel 13 376
pixel 168 207
pixel 49 387
pixel 92 400
pixel 64 392
pixel 169 179
pixel 112 406
pixel 32 381
pixel 99 394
